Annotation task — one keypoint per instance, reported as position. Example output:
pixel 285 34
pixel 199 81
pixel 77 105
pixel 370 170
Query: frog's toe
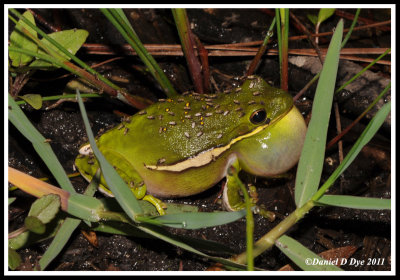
pixel 105 191
pixel 138 190
pixel 156 202
pixel 232 200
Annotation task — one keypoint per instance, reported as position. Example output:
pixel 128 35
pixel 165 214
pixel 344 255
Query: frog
pixel 180 147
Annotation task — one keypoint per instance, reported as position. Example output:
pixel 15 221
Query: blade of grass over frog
pixel 200 219
pixel 249 224
pixel 187 42
pixel 365 137
pixel 22 123
pixel 301 255
pixel 118 187
pixel 369 203
pixel 64 50
pixel 119 20
pixel 313 153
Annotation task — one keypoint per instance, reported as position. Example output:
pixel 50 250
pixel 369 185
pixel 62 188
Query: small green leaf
pixel 45 208
pixel 34 224
pixel 14 259
pixel 19 39
pixel 35 100
pixel 324 14
pixel 312 18
pixel 71 39
pixel 19 241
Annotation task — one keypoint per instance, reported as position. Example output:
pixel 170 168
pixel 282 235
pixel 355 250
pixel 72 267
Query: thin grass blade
pixel 121 191
pixel 312 156
pixel 182 25
pixel 200 219
pixel 119 20
pixel 59 241
pixel 356 202
pixel 365 137
pixel 22 123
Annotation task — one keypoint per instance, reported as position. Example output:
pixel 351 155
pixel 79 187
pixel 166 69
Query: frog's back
pixel 175 129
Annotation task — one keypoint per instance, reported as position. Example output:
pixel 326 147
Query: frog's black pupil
pixel 258 117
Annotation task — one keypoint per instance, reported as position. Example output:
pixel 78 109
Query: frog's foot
pixel 233 200
pixel 140 193
pixel 160 206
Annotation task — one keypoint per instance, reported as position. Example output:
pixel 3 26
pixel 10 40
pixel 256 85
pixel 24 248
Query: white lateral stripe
pixel 204 157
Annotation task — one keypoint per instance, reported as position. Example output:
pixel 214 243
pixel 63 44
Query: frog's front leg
pixel 88 165
pixel 233 199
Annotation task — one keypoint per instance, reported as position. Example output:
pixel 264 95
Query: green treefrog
pixel 181 147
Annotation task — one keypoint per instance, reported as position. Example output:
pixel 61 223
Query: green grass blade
pixel 200 219
pixel 365 137
pixel 119 20
pixel 188 45
pixel 22 123
pixel 353 24
pixel 301 255
pixel 348 201
pixel 312 156
pixel 59 241
pixel 363 70
pixel 118 187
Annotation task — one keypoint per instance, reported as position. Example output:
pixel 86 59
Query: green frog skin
pixel 181 147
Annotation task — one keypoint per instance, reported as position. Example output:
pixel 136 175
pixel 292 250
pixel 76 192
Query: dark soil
pixel 322 229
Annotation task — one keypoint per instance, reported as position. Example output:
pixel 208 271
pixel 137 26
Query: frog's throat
pixel 206 157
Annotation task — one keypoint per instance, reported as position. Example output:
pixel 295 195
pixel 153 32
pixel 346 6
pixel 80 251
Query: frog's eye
pixel 258 117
